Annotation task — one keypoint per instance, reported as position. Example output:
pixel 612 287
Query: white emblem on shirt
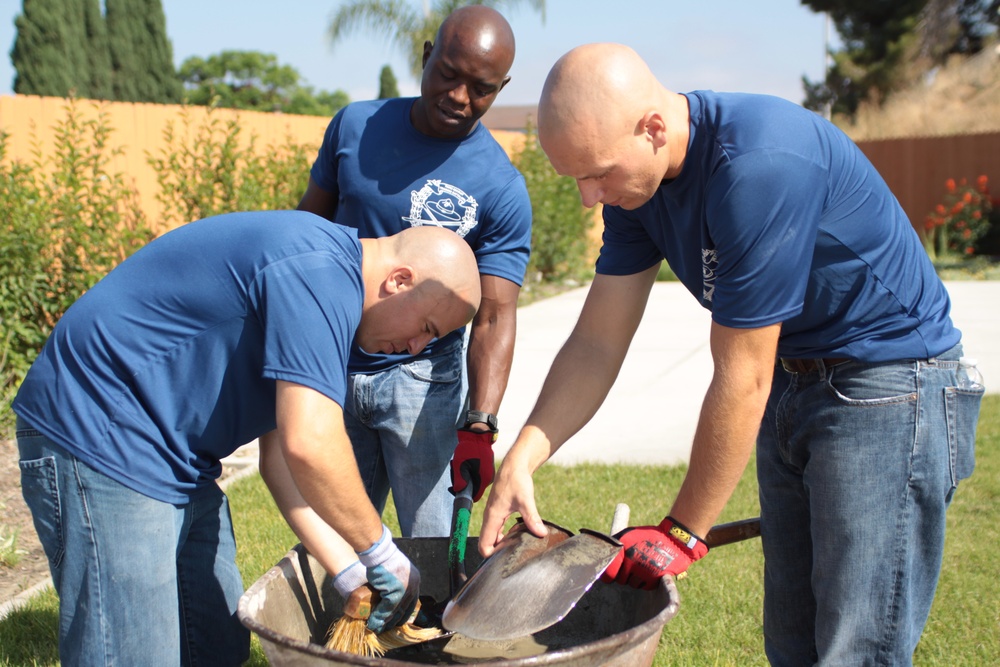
pixel 442 205
pixel 709 263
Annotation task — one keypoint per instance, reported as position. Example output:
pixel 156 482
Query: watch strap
pixel 477 417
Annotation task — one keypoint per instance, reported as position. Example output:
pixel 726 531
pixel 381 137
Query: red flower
pixel 950 185
pixel 981 183
pixel 941 210
pixel 968 250
pixel 967 197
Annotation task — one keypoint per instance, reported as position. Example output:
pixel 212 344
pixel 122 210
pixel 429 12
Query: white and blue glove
pixel 396 580
pixel 350 578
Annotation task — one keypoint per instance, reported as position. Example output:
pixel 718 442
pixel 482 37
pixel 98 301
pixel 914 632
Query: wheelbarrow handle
pixel 735 531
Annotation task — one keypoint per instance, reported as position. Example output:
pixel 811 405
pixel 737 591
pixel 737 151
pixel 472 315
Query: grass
pixel 719 620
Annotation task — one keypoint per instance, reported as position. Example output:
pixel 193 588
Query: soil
pixel 15 519
pixel 32 567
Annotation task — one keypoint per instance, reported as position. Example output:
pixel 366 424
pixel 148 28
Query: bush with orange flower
pixel 963 217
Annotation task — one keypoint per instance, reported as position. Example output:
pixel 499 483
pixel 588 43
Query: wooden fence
pixel 916 168
pixel 138 130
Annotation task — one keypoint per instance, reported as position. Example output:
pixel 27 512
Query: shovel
pixel 531 583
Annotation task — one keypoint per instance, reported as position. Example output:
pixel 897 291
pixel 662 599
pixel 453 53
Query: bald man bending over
pixel 388 165
pixel 831 340
pixel 221 331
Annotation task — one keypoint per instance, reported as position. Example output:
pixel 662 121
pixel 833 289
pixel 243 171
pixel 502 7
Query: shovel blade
pixel 529 583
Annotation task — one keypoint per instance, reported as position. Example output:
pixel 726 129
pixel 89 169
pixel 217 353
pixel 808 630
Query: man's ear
pixel 399 279
pixel 655 128
pixel 428 47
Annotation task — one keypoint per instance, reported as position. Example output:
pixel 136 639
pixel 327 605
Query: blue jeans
pixel 857 463
pixel 402 423
pixel 140 581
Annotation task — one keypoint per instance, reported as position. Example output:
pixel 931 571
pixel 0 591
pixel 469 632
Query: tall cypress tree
pixel 387 86
pixel 141 54
pixel 164 83
pixel 98 55
pixel 45 50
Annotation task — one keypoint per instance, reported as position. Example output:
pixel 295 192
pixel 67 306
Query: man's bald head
pixel 464 69
pixel 480 32
pixel 442 261
pixel 595 92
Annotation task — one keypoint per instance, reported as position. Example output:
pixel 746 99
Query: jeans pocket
pixel 439 369
pixel 962 413
pixel 40 488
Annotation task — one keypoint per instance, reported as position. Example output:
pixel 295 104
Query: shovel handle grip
pixel 735 531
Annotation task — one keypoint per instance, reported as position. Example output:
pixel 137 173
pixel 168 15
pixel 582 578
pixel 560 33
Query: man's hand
pixel 475 451
pixel 652 552
pixel 513 492
pixel 396 580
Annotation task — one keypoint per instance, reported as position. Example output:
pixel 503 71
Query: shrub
pixel 207 169
pixel 68 220
pixel 958 223
pixel 559 236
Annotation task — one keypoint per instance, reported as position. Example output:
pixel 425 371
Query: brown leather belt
pixel 810 365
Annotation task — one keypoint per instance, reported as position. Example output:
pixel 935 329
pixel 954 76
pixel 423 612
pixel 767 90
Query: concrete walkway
pixel 651 413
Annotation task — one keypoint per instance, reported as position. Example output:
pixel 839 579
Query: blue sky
pixel 764 46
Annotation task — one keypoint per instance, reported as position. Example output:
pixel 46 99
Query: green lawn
pixel 719 619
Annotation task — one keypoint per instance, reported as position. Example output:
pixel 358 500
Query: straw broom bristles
pixel 350 633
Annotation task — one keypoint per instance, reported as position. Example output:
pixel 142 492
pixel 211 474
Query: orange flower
pixel 967 197
pixel 968 250
pixel 976 215
pixel 957 208
pixel 940 209
pixel 966 233
pixel 950 185
pixel 981 183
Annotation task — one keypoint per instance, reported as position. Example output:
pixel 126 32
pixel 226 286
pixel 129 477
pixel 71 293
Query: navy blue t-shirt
pixel 387 176
pixel 169 363
pixel 777 216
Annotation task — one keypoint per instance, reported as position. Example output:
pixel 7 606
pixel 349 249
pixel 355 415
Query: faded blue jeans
pixel 857 464
pixel 403 425
pixel 140 581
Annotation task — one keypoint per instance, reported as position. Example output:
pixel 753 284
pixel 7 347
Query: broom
pixel 350 633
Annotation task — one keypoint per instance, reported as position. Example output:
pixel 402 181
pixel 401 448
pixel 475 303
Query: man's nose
pixel 590 192
pixel 460 94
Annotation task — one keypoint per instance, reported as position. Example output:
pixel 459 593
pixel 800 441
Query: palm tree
pixel 407 27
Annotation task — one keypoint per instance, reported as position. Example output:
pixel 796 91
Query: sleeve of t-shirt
pixel 324 169
pixel 763 212
pixel 505 244
pixel 626 247
pixel 309 307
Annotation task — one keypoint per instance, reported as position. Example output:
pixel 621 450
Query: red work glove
pixel 475 450
pixel 652 552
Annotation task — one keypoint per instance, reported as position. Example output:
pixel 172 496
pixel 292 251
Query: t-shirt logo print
pixel 709 264
pixel 442 205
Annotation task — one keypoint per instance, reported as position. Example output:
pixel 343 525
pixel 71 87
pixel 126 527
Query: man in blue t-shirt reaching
pixel 221 331
pixel 831 340
pixel 388 165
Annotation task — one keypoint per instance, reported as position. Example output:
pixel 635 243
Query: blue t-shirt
pixel 387 177
pixel 169 363
pixel 777 216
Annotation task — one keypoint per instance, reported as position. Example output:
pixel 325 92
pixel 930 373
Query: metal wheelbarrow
pixel 293 604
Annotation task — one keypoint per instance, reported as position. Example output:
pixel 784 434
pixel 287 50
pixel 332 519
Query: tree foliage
pixel 387 86
pixel 404 25
pixel 141 54
pixel 255 81
pixel 559 222
pixel 888 44
pixel 48 49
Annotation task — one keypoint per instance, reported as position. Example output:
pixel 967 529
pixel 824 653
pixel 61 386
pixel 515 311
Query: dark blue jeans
pixel 140 581
pixel 857 464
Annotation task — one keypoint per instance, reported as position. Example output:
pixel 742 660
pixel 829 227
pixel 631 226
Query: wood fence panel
pixel 916 168
pixel 138 130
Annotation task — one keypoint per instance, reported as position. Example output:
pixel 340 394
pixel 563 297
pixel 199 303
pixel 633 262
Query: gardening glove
pixel 350 578
pixel 396 580
pixel 651 552
pixel 475 452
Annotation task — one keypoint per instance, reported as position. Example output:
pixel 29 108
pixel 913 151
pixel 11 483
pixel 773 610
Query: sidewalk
pixel 651 413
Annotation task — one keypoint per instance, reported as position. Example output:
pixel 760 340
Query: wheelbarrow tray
pixel 292 605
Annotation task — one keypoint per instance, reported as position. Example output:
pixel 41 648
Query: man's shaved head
pixel 480 32
pixel 597 92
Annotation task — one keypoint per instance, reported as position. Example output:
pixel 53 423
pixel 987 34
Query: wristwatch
pixel 477 417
